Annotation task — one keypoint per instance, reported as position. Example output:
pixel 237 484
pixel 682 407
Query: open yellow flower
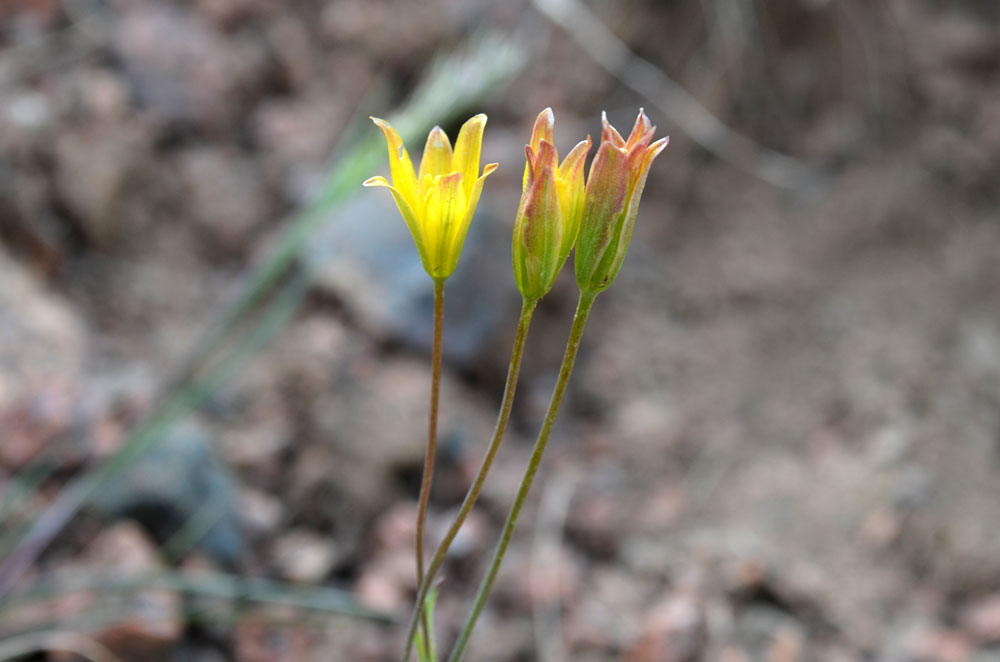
pixel 437 202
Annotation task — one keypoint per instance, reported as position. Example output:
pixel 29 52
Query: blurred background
pixel 782 439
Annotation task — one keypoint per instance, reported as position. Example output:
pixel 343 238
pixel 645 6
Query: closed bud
pixel 614 186
pixel 548 218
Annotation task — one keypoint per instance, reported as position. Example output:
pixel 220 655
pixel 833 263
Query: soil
pixel 782 437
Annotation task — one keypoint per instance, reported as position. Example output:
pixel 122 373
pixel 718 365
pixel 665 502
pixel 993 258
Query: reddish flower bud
pixel 614 186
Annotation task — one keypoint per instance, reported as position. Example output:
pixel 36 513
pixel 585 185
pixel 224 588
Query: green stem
pixel 425 483
pixel 527 310
pixel 572 345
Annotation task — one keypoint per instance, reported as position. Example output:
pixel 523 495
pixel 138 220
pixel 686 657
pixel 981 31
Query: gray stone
pixel 181 482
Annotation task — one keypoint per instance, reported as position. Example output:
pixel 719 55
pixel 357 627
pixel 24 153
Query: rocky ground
pixel 781 441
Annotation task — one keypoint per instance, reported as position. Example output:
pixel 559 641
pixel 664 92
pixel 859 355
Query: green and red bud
pixel 614 186
pixel 548 218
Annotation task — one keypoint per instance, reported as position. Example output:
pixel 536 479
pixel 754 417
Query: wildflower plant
pixel 437 203
pixel 559 208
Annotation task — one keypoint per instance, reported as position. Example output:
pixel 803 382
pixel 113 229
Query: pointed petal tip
pixel 575 159
pixel 658 146
pixel 610 133
pixel 489 168
pixel 582 146
pixel 543 128
pixel 642 130
pixel 378 180
pixel 438 138
pixel 605 124
pixel 388 130
pixel 476 119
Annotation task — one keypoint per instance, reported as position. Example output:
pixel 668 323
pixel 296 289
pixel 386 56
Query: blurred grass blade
pixel 208 585
pixel 72 498
pixel 27 481
pixel 453 84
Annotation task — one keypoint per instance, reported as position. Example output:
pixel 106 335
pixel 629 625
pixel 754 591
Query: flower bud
pixel 614 186
pixel 548 218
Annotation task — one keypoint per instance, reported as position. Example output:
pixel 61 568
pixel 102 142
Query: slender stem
pixel 527 310
pixel 572 345
pixel 432 421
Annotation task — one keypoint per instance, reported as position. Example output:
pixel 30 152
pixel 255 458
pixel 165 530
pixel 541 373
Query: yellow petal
pixel 458 238
pixel 437 155
pixel 404 179
pixel 444 208
pixel 409 216
pixel 468 146
pixel 376 181
pixel 570 184
pixel 574 160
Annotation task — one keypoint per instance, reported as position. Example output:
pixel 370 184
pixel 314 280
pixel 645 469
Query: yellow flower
pixel 437 202
pixel 548 218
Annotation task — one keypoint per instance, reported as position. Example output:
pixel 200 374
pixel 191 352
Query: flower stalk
pixel 608 206
pixel 431 452
pixel 425 587
pixel 569 358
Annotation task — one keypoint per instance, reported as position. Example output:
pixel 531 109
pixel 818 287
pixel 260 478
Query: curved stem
pixel 527 310
pixel 425 483
pixel 572 345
